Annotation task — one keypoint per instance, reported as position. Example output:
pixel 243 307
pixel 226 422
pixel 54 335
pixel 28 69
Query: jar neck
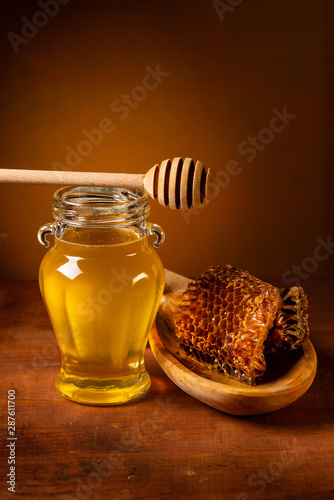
pixel 99 208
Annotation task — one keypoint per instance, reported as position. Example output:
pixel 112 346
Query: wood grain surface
pixel 167 444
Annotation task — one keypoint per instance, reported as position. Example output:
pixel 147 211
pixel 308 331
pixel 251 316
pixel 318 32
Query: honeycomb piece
pixel 291 323
pixel 224 319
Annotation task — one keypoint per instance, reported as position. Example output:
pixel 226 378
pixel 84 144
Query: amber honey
pixel 102 288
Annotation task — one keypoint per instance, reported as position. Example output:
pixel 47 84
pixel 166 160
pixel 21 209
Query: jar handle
pixel 158 232
pixel 43 232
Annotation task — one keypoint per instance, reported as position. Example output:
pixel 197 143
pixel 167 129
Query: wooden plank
pixel 166 444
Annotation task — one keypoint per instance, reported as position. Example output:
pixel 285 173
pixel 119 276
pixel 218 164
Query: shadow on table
pixel 314 410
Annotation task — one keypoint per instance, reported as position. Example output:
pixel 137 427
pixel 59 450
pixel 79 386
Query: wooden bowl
pixel 288 375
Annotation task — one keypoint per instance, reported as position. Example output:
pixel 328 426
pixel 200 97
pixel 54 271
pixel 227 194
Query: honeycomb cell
pixel 291 323
pixel 249 317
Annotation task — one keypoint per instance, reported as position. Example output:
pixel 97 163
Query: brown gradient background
pixel 224 80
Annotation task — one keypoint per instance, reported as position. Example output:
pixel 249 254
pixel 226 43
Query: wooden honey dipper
pixel 175 183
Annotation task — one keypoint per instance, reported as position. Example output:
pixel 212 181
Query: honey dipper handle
pixel 101 179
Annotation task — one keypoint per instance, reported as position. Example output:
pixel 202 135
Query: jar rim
pixel 104 195
pixel 92 205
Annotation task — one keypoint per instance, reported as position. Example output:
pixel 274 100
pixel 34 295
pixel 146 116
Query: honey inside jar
pixel 102 288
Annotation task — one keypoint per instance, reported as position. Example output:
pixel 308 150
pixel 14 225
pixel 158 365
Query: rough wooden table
pixel 166 444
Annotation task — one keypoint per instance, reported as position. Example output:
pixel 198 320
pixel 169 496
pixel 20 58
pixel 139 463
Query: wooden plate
pixel 288 376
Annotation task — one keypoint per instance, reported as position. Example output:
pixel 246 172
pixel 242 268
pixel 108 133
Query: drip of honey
pixel 102 289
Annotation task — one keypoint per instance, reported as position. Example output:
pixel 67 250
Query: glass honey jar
pixel 101 282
